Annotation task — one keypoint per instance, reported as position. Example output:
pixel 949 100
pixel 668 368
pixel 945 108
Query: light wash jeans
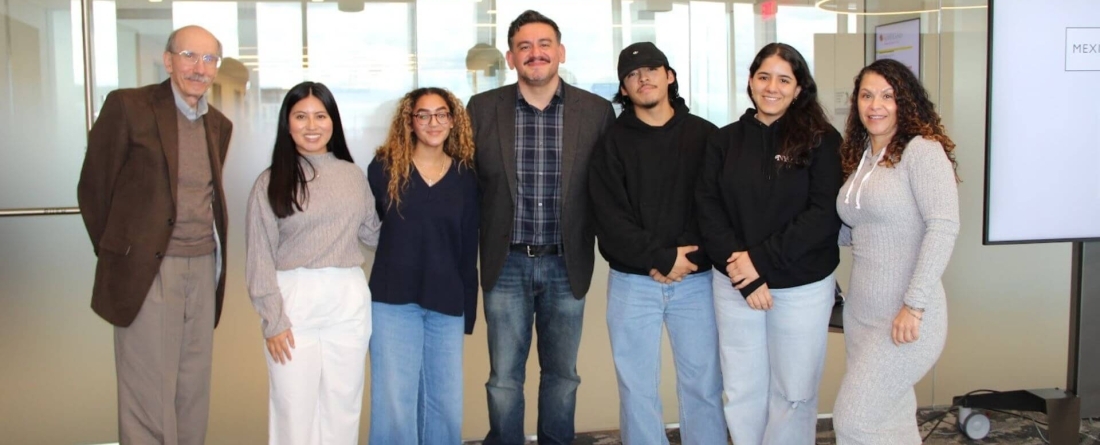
pixel 532 291
pixel 772 361
pixel 416 376
pixel 637 308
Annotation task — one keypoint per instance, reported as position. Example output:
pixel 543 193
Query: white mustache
pixel 199 78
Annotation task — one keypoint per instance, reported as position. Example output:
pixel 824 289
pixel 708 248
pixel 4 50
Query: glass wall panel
pixel 279 47
pixel 368 60
pixel 745 46
pixel 799 25
pixel 41 102
pixel 57 374
pixel 710 62
pixel 449 53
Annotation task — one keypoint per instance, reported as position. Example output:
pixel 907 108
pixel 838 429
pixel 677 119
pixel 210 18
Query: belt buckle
pixel 529 253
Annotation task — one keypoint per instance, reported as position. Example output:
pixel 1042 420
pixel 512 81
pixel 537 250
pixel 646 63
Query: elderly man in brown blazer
pixel 151 196
pixel 533 141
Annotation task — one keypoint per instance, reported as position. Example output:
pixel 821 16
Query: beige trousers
pixel 163 359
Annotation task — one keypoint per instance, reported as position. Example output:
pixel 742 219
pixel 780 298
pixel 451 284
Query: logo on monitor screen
pixel 1082 49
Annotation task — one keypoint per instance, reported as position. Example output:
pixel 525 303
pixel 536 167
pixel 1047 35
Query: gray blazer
pixel 493 114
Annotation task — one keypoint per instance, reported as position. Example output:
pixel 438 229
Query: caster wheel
pixel 973 424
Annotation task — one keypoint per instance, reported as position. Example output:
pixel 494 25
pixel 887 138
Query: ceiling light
pixel 821 4
pixel 349 5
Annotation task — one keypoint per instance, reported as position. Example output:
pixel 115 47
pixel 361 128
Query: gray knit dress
pixel 901 222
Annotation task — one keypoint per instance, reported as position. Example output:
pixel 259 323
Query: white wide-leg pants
pixel 316 397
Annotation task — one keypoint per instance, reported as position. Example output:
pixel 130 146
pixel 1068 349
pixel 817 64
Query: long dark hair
pixel 916 116
pixel 673 92
pixel 804 124
pixel 287 190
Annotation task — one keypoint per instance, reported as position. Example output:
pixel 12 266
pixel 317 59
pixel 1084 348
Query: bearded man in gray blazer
pixel 151 196
pixel 534 139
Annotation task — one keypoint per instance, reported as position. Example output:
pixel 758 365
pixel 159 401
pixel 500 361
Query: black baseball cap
pixel 639 55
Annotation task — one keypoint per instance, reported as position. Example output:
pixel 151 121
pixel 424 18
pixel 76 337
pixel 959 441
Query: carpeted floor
pixel 1004 429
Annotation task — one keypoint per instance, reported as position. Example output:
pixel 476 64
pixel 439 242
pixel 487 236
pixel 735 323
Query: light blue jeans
pixel 416 376
pixel 637 308
pixel 772 361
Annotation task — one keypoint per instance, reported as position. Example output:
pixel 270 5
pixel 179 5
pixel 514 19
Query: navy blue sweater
pixel 427 250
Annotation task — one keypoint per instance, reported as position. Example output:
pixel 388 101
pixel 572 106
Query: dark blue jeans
pixel 532 291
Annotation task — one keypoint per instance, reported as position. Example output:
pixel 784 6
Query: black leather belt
pixel 534 251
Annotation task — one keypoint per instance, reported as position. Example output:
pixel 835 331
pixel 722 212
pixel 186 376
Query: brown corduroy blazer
pixel 128 192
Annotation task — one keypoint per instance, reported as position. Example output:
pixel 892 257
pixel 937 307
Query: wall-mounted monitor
pixel 899 41
pixel 1043 122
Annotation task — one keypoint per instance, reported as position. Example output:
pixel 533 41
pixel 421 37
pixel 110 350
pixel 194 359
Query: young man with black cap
pixel 642 183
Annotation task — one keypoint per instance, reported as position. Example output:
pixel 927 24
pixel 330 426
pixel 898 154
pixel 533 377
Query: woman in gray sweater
pixel 901 215
pixel 306 217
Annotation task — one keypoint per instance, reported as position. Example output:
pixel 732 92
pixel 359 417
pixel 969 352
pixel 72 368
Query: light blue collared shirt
pixel 192 114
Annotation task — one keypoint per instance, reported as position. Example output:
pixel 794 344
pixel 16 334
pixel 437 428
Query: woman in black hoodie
pixel 767 212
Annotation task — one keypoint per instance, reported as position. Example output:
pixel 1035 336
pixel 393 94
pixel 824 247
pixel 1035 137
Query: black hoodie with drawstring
pixel 642 185
pixel 784 214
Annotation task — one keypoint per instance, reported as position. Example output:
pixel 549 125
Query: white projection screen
pixel 1043 122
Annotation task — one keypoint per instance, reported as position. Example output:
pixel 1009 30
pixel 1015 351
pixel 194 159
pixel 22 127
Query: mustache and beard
pixel 538 75
pixel 645 103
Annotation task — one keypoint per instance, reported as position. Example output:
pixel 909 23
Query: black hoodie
pixel 642 184
pixel 783 215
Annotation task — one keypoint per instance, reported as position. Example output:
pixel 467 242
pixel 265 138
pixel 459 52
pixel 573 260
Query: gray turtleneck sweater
pixel 339 214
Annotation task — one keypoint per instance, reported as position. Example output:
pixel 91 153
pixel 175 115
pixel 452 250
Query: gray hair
pixel 170 47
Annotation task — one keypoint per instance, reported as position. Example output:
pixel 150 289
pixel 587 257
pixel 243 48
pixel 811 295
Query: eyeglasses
pixel 442 117
pixel 193 58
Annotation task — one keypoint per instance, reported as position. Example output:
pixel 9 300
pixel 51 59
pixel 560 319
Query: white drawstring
pixel 859 191
pixel 858 169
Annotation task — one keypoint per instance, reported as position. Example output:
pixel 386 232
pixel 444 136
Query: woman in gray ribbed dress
pixel 901 216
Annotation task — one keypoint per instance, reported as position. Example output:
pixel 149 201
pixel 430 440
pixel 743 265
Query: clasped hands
pixel 681 268
pixel 741 271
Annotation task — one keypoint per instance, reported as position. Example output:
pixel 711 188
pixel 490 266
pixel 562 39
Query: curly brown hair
pixel 916 116
pixel 396 152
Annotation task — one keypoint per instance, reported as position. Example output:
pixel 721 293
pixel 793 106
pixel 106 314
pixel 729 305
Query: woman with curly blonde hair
pixel 424 278
pixel 900 210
